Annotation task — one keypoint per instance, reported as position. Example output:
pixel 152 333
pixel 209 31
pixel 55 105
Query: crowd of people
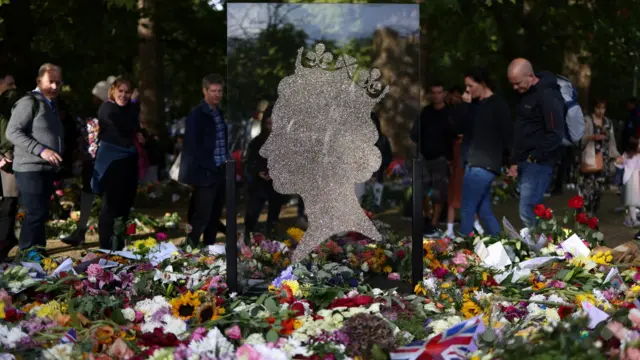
pixel 466 137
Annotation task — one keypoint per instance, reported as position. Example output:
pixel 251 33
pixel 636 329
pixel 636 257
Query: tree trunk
pixel 150 69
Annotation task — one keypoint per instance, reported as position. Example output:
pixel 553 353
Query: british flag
pixel 69 337
pixel 452 344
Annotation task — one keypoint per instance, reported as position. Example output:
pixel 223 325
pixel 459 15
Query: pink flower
pixel 5 297
pixel 161 236
pixel 460 259
pixel 234 332
pixel 94 271
pixel 557 284
pixel 56 184
pixel 634 316
pixel 59 192
pixel 247 352
pixel 394 276
pixel 198 334
pixel 440 272
pixel 139 317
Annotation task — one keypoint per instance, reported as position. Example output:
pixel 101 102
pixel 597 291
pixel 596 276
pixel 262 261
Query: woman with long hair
pixel 488 135
pixel 115 175
pixel 599 152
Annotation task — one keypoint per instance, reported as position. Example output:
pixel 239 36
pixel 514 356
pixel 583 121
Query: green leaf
pixel 117 317
pixel 271 305
pixel 489 336
pixel 272 336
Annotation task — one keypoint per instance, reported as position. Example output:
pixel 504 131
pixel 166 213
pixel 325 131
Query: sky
pixel 339 22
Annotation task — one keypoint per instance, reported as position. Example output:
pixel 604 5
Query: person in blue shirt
pixel 204 155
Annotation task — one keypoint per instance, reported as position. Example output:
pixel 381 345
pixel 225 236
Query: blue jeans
pixel 476 198
pixel 36 188
pixel 534 181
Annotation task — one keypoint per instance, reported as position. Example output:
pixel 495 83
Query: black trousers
pixel 8 212
pixel 119 186
pixel 205 209
pixel 258 195
pixel 36 188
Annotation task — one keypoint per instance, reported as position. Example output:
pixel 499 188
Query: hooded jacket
pixel 540 122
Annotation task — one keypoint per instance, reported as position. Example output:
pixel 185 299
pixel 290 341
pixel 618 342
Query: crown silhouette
pixel 367 80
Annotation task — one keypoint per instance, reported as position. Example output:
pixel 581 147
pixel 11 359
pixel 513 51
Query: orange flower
pixel 104 335
pixel 287 326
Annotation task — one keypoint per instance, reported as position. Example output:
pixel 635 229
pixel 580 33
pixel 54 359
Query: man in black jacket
pixel 435 139
pixel 538 133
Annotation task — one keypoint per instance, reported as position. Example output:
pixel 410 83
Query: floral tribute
pixel 544 303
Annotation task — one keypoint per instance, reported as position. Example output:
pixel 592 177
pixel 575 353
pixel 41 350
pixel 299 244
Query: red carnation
pixel 576 202
pixel 548 214
pixel 581 218
pixel 593 223
pixel 131 229
pixel 539 210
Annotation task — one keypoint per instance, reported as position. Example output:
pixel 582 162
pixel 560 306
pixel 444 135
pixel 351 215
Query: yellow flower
pixel 485 276
pixel 470 309
pixel 293 285
pixel 602 258
pixel 51 309
pixel 418 289
pixel 147 243
pixel 585 297
pixel 445 285
pixel 185 306
pixel 208 312
pixel 475 357
pixel 297 324
pixel 48 264
pixel 287 243
pixel 2 314
pixel 387 269
pixel 295 233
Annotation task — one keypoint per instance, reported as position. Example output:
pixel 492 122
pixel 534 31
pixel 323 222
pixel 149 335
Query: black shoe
pixel 76 238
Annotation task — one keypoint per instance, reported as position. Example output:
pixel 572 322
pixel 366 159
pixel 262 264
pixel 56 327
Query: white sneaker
pixel 450 235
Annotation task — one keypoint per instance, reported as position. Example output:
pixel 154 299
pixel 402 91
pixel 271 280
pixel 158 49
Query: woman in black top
pixel 488 135
pixel 261 186
pixel 115 176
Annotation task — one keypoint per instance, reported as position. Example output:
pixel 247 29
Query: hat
pixel 101 89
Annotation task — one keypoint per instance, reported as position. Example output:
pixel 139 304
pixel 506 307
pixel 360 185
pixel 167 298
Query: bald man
pixel 538 131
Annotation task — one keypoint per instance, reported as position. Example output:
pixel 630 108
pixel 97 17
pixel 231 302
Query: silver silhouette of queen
pixel 323 143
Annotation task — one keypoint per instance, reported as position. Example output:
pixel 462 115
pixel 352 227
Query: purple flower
pixel 158 315
pixel 287 274
pixel 182 352
pixel 94 271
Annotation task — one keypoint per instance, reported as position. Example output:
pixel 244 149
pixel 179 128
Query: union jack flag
pixel 69 337
pixel 452 344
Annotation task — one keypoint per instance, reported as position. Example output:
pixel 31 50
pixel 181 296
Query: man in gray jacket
pixel 38 139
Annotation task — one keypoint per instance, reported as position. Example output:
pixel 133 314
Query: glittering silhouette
pixel 323 143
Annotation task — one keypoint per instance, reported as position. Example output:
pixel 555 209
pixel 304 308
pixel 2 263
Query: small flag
pixel 452 344
pixel 69 337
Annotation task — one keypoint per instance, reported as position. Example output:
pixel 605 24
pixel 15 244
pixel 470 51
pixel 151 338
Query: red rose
pixel 548 214
pixel 298 309
pixel 131 229
pixel 363 300
pixel 593 223
pixel 539 210
pixel 581 218
pixel 576 202
pixel 565 311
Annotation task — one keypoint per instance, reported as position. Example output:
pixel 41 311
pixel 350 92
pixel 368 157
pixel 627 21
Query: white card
pixel 497 256
pixel 66 266
pixel 596 316
pixel 536 262
pixel 217 249
pixel 574 246
pixel 33 266
pixel 481 250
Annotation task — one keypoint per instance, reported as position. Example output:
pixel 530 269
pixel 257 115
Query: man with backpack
pixel 38 139
pixel 539 131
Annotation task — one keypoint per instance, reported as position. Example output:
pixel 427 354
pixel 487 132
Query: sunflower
pixel 470 309
pixel 208 312
pixel 185 306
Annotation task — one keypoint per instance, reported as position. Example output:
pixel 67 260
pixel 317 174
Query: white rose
pixel 129 314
